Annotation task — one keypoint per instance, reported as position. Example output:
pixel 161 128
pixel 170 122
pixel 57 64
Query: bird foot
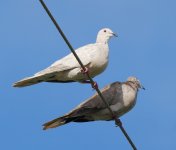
pixel 94 85
pixel 85 70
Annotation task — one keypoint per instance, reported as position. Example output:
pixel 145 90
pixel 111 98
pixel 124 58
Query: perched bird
pixel 121 97
pixel 93 56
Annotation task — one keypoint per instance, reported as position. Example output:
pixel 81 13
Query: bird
pixel 93 56
pixel 120 96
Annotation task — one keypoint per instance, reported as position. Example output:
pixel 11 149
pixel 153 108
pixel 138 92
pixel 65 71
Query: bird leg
pixel 94 85
pixel 85 70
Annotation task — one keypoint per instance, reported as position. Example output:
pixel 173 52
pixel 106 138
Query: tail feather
pixel 57 122
pixel 28 81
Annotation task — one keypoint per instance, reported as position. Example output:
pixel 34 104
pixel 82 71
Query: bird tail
pixel 58 122
pixel 29 81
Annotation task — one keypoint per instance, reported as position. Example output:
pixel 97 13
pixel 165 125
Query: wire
pixel 117 120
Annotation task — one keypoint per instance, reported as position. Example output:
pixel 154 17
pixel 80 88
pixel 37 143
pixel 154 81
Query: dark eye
pixel 104 30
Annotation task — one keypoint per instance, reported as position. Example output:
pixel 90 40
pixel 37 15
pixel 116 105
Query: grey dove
pixel 121 97
pixel 93 56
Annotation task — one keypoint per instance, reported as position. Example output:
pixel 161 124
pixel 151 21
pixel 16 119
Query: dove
pixel 121 97
pixel 93 56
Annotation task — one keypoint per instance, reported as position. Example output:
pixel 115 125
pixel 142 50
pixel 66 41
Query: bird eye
pixel 104 30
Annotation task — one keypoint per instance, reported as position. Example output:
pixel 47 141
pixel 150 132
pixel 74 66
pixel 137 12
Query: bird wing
pixel 111 93
pixel 69 62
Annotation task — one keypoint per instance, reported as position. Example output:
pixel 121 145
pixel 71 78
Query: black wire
pixel 117 121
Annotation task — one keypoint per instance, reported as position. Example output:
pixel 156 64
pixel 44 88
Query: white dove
pixel 121 97
pixel 93 56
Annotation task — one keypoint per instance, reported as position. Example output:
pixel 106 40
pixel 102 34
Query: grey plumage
pixel 93 56
pixel 121 97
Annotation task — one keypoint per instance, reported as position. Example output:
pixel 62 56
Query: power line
pixel 117 120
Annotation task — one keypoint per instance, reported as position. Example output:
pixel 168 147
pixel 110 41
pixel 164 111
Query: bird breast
pixel 129 95
pixel 99 60
pixel 127 102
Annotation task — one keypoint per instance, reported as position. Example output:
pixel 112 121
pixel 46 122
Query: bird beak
pixel 142 87
pixel 114 34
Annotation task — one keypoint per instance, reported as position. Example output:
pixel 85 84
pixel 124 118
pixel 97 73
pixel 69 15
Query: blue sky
pixel 145 48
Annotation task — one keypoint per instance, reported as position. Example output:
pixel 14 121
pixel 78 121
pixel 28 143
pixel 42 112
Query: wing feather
pixel 69 62
pixel 95 103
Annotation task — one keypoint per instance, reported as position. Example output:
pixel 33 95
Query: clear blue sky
pixel 146 48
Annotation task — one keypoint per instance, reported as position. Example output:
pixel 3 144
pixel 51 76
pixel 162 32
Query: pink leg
pixel 85 71
pixel 94 86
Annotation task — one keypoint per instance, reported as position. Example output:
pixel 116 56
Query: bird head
pixel 104 35
pixel 136 82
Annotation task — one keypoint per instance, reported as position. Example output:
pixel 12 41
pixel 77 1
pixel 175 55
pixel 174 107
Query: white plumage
pixel 93 56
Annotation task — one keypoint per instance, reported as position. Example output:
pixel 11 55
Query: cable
pixel 117 121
